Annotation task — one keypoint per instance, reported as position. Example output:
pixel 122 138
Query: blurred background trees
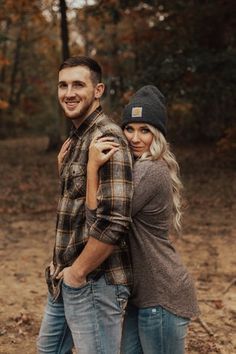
pixel 186 48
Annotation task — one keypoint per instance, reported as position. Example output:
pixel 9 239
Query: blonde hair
pixel 160 149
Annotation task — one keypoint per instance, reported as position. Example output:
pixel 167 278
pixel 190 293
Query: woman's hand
pixel 63 152
pixel 100 151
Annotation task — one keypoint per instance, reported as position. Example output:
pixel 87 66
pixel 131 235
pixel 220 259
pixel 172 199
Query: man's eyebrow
pixel 78 82
pixel 73 82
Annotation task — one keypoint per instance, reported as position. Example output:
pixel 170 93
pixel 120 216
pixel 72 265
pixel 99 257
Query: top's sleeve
pixel 148 180
pixel 90 215
pixel 114 197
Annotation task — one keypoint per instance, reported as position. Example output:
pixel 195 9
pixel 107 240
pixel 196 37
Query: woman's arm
pixel 62 154
pixel 100 151
pixel 92 186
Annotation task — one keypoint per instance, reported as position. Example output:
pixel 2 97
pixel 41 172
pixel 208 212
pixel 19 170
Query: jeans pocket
pixel 74 289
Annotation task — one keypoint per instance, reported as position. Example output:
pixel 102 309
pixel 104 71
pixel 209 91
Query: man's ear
pixel 99 90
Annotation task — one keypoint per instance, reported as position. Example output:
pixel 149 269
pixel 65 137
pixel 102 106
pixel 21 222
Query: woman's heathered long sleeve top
pixel 160 278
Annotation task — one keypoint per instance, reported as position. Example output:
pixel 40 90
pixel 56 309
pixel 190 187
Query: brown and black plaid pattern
pixel 112 219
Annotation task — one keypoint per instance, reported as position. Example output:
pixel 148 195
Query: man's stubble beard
pixel 82 114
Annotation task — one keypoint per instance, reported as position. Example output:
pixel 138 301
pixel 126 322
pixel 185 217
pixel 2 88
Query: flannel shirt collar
pixel 89 122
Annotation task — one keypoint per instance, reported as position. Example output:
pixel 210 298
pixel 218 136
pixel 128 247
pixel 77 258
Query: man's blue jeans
pixel 89 318
pixel 153 330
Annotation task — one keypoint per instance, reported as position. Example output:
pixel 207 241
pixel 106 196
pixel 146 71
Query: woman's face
pixel 139 137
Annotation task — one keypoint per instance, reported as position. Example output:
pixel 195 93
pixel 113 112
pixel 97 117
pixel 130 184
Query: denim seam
pixel 163 325
pixel 97 338
pixel 66 328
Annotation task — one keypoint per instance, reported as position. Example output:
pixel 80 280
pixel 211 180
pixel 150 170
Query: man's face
pixel 77 94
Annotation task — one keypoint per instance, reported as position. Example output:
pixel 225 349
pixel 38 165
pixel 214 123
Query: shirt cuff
pixel 109 231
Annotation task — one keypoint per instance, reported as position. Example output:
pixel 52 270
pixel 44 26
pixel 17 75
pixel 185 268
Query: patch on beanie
pixel 137 112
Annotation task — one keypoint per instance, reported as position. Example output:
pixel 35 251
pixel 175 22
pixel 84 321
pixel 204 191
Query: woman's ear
pixel 99 90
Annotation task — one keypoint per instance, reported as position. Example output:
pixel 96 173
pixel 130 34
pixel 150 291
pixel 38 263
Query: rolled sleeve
pixel 114 198
pixel 90 216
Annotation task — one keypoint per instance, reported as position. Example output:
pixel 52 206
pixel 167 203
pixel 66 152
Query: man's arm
pixel 94 253
pixel 112 217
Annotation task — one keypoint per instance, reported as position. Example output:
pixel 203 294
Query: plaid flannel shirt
pixel 113 214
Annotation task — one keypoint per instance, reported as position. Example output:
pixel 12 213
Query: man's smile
pixel 71 104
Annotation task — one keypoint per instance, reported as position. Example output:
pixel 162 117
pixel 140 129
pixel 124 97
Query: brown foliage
pixel 228 142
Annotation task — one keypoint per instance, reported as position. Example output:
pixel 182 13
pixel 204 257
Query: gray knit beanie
pixel 146 106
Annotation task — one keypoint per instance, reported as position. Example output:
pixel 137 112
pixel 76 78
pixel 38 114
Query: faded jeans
pixel 89 318
pixel 153 330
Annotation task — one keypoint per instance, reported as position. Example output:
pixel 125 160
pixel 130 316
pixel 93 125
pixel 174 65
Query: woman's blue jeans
pixel 89 318
pixel 153 330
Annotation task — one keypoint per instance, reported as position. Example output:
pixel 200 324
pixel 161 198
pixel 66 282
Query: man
pixel 89 277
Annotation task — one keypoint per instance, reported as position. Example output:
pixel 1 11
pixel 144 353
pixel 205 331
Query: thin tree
pixel 64 30
pixel 65 41
pixel 54 137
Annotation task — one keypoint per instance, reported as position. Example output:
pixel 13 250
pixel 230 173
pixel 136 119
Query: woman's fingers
pixel 107 145
pixel 66 144
pixel 65 147
pixel 109 154
pixel 101 149
pixel 106 138
pixel 101 139
pixel 63 152
pixel 94 140
pixel 101 146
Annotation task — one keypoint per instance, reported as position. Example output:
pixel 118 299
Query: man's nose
pixel 70 91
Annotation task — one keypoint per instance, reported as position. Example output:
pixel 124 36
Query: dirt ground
pixel 28 200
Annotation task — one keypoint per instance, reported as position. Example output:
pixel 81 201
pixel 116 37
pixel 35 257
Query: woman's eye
pixel 145 131
pixel 129 129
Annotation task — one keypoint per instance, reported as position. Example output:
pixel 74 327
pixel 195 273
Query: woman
pixel 163 296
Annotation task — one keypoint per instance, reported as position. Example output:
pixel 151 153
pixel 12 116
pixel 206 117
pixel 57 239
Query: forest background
pixel 188 50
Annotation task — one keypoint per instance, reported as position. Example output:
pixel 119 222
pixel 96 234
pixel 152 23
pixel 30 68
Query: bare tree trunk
pixel 64 30
pixel 4 49
pixel 54 135
pixel 21 89
pixel 15 71
pixel 3 89
pixel 86 29
pixel 65 42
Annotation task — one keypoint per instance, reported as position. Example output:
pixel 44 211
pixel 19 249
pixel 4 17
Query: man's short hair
pixel 91 64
